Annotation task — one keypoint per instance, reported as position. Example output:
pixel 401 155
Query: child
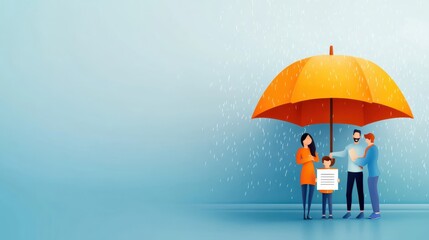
pixel 327 194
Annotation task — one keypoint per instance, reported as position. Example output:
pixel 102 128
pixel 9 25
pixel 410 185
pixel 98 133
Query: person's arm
pixel 316 158
pixel 301 159
pixel 362 161
pixel 340 153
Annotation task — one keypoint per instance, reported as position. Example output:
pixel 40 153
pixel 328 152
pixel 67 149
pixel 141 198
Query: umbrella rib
pixel 293 91
pixel 297 78
pixel 366 80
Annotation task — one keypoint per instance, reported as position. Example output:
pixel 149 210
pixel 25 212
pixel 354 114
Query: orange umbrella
pixel 332 89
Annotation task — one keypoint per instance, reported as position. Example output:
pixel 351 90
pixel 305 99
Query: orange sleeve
pixel 297 156
pixel 301 159
pixel 316 159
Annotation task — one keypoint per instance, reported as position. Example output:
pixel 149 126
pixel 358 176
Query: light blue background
pixel 107 106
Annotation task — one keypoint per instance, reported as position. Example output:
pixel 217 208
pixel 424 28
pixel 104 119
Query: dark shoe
pixel 375 216
pixel 330 217
pixel 309 218
pixel 360 215
pixel 347 215
pixel 323 217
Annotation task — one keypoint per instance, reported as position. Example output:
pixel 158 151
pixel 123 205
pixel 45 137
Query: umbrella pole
pixel 331 112
pixel 331 127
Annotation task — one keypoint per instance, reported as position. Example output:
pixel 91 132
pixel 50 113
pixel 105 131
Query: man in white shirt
pixel 354 172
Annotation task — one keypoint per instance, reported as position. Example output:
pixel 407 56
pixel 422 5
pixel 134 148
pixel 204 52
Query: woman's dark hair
pixel 311 146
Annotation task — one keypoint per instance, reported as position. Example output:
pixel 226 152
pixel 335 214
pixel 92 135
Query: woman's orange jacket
pixel 303 156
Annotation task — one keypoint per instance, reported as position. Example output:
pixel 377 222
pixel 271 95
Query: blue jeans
pixel 373 193
pixel 304 196
pixel 326 198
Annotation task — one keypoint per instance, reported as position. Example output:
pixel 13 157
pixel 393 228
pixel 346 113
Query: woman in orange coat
pixel 306 156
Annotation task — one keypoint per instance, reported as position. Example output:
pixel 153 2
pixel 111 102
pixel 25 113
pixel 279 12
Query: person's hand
pixel 311 157
pixel 330 155
pixel 338 180
pixel 361 167
pixel 316 180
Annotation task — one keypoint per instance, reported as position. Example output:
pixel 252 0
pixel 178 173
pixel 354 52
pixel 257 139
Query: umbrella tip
pixel 331 50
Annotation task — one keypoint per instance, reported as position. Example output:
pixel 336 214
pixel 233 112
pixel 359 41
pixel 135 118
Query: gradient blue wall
pixel 131 102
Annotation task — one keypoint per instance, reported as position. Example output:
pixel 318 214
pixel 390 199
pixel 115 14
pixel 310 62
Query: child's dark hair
pixel 357 131
pixel 327 158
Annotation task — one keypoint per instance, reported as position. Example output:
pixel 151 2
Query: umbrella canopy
pixel 332 89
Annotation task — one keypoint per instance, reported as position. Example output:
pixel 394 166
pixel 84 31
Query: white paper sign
pixel 327 179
